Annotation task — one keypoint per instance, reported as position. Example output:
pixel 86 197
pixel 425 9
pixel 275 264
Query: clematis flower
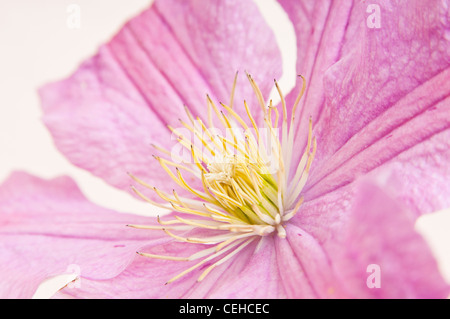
pixel 280 201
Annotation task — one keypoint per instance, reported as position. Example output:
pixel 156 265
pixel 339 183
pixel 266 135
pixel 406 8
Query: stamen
pixel 202 262
pixel 189 114
pixel 233 89
pixel 241 197
pixel 294 211
pixel 156 227
pixel 258 93
pixel 252 120
pixel 216 110
pixel 208 240
pixel 221 261
pixel 148 200
pixel 163 257
pixel 300 95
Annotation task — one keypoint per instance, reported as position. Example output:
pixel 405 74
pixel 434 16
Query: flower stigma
pixel 245 186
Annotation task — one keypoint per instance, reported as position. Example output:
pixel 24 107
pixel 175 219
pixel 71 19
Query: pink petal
pixel 317 275
pixel 49 228
pixel 415 145
pixel 380 232
pixel 410 48
pixel 320 217
pixel 345 231
pixel 329 245
pixel 424 171
pixel 144 277
pixel 311 234
pixel 106 115
pixel 260 278
pixel 378 93
pixel 325 32
pixel 250 274
pixel 359 71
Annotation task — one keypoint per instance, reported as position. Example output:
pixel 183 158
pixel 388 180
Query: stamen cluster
pixel 245 193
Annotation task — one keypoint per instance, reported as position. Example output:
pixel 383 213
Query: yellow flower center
pixel 248 187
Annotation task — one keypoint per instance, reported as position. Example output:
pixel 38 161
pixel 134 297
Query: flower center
pixel 246 184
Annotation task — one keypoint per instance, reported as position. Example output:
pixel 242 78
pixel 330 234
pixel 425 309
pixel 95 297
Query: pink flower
pixel 375 104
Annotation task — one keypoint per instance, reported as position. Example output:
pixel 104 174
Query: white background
pixel 37 46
